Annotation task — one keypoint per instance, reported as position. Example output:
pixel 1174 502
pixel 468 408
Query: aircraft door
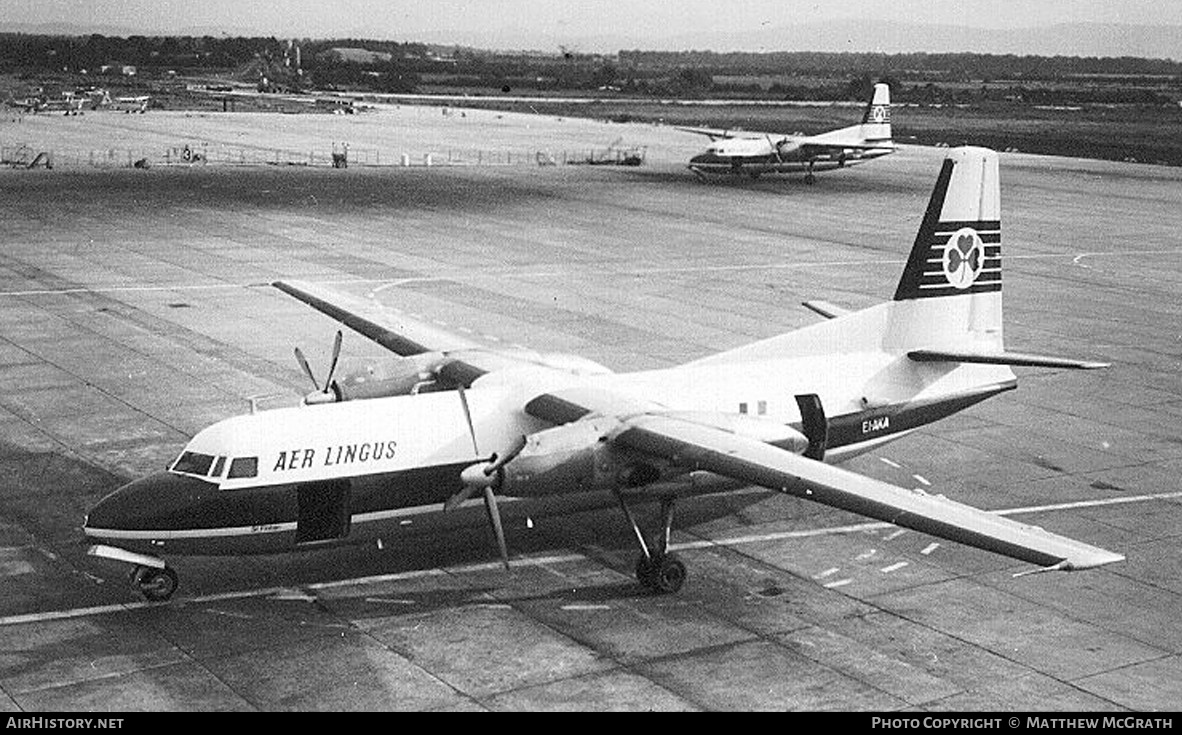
pixel 323 511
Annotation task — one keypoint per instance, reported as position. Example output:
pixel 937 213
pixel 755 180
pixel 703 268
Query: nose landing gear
pixel 149 575
pixel 155 584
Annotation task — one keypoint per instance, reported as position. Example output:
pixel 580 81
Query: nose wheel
pixel 155 584
pixel 656 568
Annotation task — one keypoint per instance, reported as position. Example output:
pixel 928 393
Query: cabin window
pixel 193 463
pixel 243 467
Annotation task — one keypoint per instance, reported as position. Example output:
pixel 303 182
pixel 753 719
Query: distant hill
pixel 1068 39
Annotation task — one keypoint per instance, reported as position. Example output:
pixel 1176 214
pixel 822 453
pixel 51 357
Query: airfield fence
pixel 197 154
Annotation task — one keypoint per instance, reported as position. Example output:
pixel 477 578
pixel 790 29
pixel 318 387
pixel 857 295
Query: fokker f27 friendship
pixel 753 154
pixel 451 420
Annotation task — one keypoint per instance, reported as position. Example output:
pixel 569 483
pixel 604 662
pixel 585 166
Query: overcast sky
pixel 555 19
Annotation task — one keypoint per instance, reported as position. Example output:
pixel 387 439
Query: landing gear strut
pixel 656 568
pixel 809 177
pixel 155 584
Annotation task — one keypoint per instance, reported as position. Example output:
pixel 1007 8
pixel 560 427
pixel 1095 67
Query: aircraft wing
pixel 453 357
pixel 694 445
pixel 398 332
pixel 716 134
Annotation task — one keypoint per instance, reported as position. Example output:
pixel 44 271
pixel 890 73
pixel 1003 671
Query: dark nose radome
pixel 154 502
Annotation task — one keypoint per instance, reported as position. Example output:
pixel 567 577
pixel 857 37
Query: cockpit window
pixel 243 467
pixel 217 467
pixel 193 463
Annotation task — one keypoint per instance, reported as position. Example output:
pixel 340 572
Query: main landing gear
pixel 809 177
pixel 656 568
pixel 155 584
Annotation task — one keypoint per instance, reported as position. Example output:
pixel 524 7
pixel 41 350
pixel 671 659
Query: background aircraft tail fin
pixel 876 122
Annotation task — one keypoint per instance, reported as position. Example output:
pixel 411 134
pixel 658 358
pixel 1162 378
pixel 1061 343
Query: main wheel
pixel 669 575
pixel 154 584
pixel 664 574
pixel 646 570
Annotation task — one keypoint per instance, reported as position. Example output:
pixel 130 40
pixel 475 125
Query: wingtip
pixel 1098 558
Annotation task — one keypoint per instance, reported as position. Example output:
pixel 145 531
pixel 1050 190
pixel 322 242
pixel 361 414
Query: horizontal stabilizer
pixel 1004 358
pixel 825 309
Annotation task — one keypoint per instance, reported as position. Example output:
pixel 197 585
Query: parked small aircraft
pixel 67 104
pixel 134 104
pixel 449 419
pixel 753 154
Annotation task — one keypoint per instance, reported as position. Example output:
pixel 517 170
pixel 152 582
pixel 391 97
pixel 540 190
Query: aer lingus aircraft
pixel 449 420
pixel 752 154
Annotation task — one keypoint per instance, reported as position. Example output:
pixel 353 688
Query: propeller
pixel 776 148
pixel 487 478
pixel 324 395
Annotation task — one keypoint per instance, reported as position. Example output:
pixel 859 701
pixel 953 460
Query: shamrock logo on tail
pixel 964 257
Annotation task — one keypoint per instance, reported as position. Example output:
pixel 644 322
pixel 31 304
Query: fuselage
pixel 756 156
pixel 354 471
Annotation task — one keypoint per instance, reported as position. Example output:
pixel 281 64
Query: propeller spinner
pixel 325 395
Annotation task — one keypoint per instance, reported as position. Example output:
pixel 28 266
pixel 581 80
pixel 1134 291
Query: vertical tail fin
pixel 876 122
pixel 951 286
pixel 958 247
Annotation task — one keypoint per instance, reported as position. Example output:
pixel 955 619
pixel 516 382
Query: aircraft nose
pixel 155 502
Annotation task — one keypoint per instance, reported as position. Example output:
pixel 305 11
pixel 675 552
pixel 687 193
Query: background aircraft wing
pixel 713 133
pixel 694 445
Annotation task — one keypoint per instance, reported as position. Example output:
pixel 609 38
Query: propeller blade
pixel 468 418
pixel 307 368
pixel 454 501
pixel 494 516
pixel 336 356
pixel 775 148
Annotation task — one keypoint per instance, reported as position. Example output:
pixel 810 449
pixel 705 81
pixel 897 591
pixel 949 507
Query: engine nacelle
pixel 577 457
pixel 379 378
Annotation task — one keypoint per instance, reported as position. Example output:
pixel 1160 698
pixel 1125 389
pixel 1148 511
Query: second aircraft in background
pixel 753 154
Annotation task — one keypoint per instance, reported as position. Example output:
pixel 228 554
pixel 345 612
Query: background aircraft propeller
pixel 324 395
pixel 776 148
pixel 486 477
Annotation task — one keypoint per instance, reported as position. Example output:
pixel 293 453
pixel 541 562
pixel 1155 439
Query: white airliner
pixel 449 419
pixel 753 154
